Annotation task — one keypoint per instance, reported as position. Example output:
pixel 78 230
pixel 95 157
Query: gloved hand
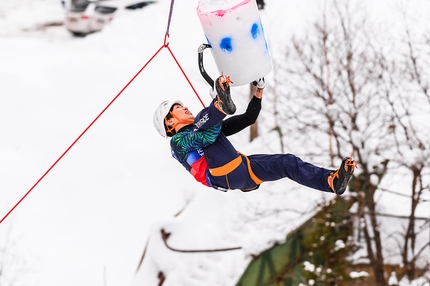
pixel 212 92
pixel 260 83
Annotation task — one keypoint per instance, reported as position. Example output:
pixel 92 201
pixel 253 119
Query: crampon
pixel 222 87
pixel 338 180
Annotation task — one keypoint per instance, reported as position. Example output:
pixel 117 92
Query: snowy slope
pixel 93 212
pixel 213 220
pixel 89 219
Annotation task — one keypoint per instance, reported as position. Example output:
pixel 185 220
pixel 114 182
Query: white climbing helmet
pixel 160 113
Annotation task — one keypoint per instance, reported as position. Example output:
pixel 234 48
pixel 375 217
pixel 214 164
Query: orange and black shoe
pixel 338 180
pixel 224 101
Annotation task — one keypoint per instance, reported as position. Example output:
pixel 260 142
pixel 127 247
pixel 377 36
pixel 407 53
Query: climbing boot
pixel 338 180
pixel 223 99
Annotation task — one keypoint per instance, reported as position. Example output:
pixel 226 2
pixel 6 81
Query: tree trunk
pixel 254 127
pixel 373 244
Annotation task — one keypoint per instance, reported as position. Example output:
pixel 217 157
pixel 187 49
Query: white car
pixel 88 16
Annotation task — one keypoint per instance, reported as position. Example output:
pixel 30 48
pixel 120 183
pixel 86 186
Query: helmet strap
pixel 171 129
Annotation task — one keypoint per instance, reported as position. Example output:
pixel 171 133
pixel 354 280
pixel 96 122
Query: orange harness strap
pixel 227 168
pixel 251 173
pixel 231 166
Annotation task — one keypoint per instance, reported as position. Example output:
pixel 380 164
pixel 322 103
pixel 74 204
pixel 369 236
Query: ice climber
pixel 200 144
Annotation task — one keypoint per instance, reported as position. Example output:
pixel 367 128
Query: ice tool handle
pixel 203 72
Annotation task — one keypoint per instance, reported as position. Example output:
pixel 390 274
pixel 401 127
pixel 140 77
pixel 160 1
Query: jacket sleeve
pixel 182 143
pixel 237 123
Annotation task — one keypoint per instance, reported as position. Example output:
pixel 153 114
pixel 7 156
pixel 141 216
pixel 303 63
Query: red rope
pixel 185 76
pixel 165 45
pixel 79 137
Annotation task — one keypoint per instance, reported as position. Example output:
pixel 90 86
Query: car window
pixel 79 6
pixel 105 10
pixel 139 5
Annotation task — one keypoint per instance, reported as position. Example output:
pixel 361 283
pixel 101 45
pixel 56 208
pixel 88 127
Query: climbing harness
pixel 229 167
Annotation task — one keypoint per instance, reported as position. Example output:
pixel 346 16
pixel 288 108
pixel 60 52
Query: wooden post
pixel 254 127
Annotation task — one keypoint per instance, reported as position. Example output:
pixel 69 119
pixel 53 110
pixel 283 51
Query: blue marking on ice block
pixel 255 31
pixel 226 45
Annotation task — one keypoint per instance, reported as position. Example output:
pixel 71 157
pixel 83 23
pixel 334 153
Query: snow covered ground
pixel 88 221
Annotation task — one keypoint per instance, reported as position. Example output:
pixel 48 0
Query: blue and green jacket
pixel 204 145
